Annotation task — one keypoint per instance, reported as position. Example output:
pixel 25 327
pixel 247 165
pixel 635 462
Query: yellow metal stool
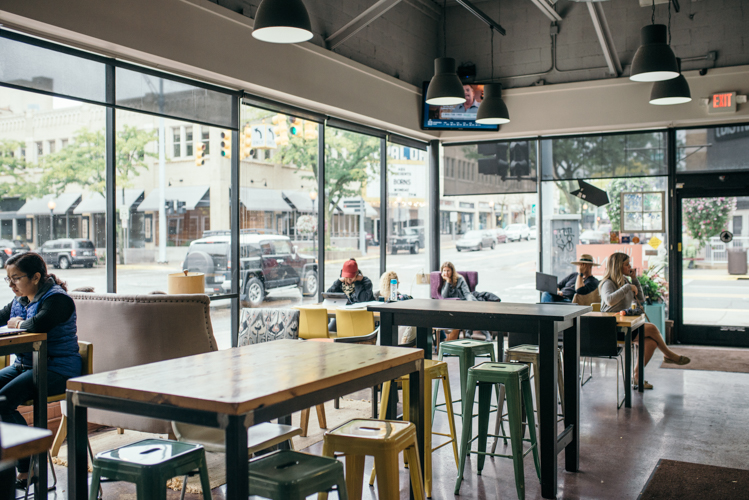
pixel 383 439
pixel 433 370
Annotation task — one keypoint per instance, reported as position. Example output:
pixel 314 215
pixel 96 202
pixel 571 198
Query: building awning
pixel 263 200
pixel 11 216
pixel 193 196
pixel 300 201
pixel 97 204
pixel 40 206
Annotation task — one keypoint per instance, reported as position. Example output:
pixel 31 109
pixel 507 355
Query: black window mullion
pixel 322 199
pixel 234 223
pixel 111 186
pixel 434 205
pixel 384 224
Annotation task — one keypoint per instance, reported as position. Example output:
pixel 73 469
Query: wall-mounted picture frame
pixel 643 212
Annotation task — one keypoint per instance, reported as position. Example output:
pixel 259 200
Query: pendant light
pixel 282 21
pixel 492 110
pixel 445 88
pixel 674 91
pixel 654 60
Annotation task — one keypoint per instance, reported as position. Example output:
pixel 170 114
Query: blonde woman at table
pixel 617 295
pixel 41 305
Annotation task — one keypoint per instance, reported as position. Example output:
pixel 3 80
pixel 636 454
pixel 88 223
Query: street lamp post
pixel 51 205
pixel 313 197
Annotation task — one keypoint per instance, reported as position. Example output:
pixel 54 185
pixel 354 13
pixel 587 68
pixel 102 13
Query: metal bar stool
pixel 514 376
pixel 291 475
pixel 433 370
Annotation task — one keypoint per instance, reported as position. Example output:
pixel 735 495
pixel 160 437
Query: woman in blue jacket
pixel 41 305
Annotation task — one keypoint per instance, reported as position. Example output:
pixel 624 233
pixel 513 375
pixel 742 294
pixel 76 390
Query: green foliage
pixel 707 217
pixel 83 161
pixel 12 167
pixel 654 286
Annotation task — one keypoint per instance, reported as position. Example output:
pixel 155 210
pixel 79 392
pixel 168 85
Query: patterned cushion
pixel 264 325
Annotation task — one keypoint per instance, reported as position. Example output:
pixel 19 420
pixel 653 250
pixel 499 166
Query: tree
pixel 12 170
pixel 83 161
pixel 707 217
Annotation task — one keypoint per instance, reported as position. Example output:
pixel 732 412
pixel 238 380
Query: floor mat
pixel 687 481
pixel 712 359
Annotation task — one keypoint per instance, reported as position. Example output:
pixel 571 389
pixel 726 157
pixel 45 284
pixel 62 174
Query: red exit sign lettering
pixel 724 102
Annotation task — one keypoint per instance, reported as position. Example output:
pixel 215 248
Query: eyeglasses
pixel 15 279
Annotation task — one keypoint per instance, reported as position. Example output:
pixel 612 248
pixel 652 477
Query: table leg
pixel 389 337
pixel 627 368
pixel 77 457
pixel 424 340
pixel 641 359
pixel 40 415
pixel 547 407
pixel 237 470
pixel 572 394
pixel 416 411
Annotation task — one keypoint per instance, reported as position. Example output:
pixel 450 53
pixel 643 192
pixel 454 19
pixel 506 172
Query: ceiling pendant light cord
pixel 492 52
pixel 669 22
pixel 444 28
pixel 652 16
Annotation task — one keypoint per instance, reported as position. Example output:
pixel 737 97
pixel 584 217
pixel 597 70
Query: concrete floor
pixel 692 416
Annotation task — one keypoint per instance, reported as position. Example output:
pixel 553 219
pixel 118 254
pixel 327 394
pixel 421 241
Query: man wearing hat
pixel 582 282
pixel 356 286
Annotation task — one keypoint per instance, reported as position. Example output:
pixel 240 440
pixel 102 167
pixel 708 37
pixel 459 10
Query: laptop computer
pixel 546 283
pixel 5 331
pixel 334 299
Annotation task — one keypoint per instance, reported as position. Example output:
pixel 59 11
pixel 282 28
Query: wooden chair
pixel 588 299
pixel 313 322
pixel 598 339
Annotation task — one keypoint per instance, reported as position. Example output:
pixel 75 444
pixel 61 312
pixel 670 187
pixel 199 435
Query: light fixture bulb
pixel 492 110
pixel 282 21
pixel 445 88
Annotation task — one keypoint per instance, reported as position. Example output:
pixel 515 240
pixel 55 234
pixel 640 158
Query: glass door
pixel 714 280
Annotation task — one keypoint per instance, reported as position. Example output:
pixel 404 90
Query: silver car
pixel 517 232
pixel 476 240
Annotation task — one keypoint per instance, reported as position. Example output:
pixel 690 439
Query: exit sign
pixel 724 102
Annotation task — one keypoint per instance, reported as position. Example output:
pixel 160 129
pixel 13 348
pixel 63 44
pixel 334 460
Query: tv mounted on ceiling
pixel 460 117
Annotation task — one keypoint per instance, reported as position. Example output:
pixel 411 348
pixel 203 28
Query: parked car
pixel 534 232
pixel 476 240
pixel 67 252
pixel 267 262
pixel 592 237
pixel 500 234
pixel 517 232
pixel 9 248
pixel 411 239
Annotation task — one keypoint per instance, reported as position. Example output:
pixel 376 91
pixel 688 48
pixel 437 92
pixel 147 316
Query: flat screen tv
pixel 459 117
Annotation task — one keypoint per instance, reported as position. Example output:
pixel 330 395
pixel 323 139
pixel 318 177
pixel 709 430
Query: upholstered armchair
pixel 265 325
pixel 436 281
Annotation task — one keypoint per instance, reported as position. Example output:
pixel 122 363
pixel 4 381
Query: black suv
pixel 411 239
pixel 8 248
pixel 67 252
pixel 268 262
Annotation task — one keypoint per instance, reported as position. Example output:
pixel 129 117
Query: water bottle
pixel 393 290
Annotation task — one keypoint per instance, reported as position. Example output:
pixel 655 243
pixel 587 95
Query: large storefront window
pixel 408 209
pixel 352 220
pixel 278 208
pixel 712 149
pixel 53 161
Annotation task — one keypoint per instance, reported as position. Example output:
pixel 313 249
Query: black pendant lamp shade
pixel 282 21
pixel 654 60
pixel 674 91
pixel 493 110
pixel 445 88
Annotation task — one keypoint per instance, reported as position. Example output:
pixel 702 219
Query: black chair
pixel 598 339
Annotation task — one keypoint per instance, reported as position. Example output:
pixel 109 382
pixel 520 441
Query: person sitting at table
pixel 41 305
pixel 356 286
pixel 454 287
pixel 618 294
pixel 581 283
pixel 406 334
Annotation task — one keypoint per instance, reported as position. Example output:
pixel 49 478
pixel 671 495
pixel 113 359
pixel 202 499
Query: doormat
pixel 108 440
pixel 687 481
pixel 713 359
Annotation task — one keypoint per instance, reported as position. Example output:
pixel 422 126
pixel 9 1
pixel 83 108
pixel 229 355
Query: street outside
pixel 711 296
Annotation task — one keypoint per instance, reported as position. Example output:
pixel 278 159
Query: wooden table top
pixel 623 321
pixel 552 312
pixel 22 338
pixel 238 380
pixel 21 441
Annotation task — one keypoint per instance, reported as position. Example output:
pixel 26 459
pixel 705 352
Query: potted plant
pixel 655 288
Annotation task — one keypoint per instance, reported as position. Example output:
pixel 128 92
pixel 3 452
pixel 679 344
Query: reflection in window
pixel 712 149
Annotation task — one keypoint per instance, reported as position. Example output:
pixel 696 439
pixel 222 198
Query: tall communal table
pixel 35 343
pixel 235 389
pixel 545 320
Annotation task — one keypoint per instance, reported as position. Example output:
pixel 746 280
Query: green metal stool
pixel 291 475
pixel 467 350
pixel 514 376
pixel 149 464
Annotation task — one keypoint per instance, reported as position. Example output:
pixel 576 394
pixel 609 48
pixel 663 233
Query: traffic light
pixel 488 165
pixel 245 142
pixel 281 129
pixel 169 206
pixel 297 126
pixel 226 143
pixel 200 154
pixel 180 209
pixel 519 155
pixel 310 130
pixel 503 166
